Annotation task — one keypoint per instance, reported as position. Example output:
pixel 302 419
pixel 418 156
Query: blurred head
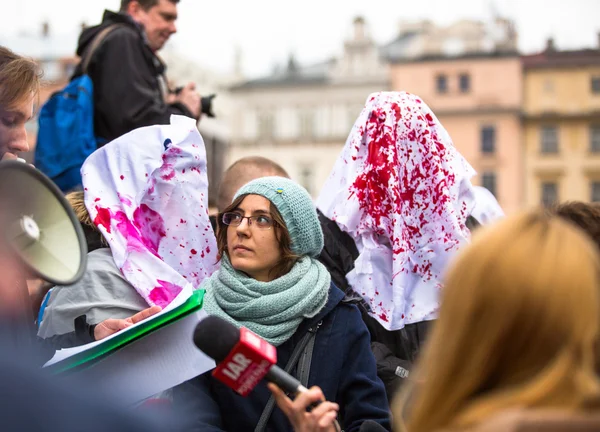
pixel 585 215
pixel 243 171
pixel 518 325
pixel 283 227
pixel 19 85
pixel 157 16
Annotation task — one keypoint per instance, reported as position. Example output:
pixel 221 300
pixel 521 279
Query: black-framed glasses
pixel 235 219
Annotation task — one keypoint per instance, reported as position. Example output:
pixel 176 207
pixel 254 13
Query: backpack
pixel 66 126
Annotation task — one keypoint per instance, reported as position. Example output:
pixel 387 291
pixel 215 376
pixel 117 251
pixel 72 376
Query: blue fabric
pixel 342 365
pixel 43 307
pixel 66 133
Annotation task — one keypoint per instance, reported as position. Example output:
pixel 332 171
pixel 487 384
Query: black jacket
pixel 125 73
pixel 342 365
pixel 394 351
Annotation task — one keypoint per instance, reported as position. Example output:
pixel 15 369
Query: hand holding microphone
pixel 243 359
pixel 322 418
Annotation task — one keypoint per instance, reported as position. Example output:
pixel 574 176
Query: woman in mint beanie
pixel 270 282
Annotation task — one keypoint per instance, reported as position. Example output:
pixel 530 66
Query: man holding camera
pixel 130 90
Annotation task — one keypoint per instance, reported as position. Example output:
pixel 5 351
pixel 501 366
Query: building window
pixel 595 139
pixel 442 83
pixel 596 84
pixel 306 178
pixel 549 139
pixel 595 191
pixel 266 125
pixel 307 124
pixel 488 139
pixel 549 193
pixel 488 181
pixel 465 83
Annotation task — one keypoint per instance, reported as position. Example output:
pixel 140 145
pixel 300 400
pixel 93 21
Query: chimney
pixel 359 28
pixel 45 29
pixel 550 46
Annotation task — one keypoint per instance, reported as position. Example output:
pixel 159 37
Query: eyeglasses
pixel 235 219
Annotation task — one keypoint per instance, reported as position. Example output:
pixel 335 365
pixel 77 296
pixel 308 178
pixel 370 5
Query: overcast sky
pixel 268 30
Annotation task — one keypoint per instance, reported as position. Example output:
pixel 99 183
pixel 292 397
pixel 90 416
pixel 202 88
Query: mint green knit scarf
pixel 273 310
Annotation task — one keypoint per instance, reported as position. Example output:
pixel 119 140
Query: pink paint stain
pixel 124 199
pixel 97 199
pixel 194 251
pixel 151 226
pixel 383 317
pixel 122 177
pixel 164 294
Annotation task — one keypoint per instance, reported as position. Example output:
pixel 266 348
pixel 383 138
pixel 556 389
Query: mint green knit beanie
pixel 297 209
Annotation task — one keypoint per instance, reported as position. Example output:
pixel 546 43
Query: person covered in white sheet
pixel 394 210
pixel 149 203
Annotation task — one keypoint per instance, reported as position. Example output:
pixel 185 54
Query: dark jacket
pixel 342 365
pixel 125 73
pixel 394 351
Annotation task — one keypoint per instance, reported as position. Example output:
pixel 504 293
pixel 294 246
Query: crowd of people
pixel 402 298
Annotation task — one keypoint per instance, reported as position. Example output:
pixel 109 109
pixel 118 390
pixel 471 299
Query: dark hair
pixel 145 4
pixel 585 215
pixel 288 257
pixel 19 77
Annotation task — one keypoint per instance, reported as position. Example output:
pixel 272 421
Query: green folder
pixel 87 358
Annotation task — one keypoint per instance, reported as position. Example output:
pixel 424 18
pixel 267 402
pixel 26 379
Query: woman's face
pixel 252 249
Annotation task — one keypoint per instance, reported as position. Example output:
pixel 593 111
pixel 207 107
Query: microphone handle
pixel 291 385
pixel 284 381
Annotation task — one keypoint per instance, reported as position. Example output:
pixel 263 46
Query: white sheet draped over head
pixel 147 192
pixel 402 191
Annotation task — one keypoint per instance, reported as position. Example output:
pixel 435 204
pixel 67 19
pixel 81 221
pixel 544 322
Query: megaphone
pixel 39 225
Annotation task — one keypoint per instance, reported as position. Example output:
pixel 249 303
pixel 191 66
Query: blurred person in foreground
pixel 515 342
pixel 130 89
pixel 19 85
pixel 514 347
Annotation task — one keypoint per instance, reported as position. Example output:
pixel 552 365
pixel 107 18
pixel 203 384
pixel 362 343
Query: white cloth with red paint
pixel 147 192
pixel 402 191
pixel 487 209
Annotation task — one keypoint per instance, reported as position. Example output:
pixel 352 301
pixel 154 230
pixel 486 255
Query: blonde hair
pixel 517 326
pixel 19 78
pixel 76 199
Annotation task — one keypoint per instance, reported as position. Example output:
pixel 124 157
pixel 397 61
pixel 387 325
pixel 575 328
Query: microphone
pixel 243 358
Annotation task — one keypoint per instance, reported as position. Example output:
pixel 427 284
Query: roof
pixel 553 59
pixel 292 75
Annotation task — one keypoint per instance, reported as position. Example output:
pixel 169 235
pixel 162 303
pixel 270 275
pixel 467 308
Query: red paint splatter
pixel 207 249
pixel 383 317
pixel 103 218
pixel 97 199
pixel 194 251
pixel 182 221
pixel 122 177
pixel 164 294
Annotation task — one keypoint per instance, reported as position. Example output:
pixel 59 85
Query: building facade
pixel 561 125
pixel 300 116
pixel 470 75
